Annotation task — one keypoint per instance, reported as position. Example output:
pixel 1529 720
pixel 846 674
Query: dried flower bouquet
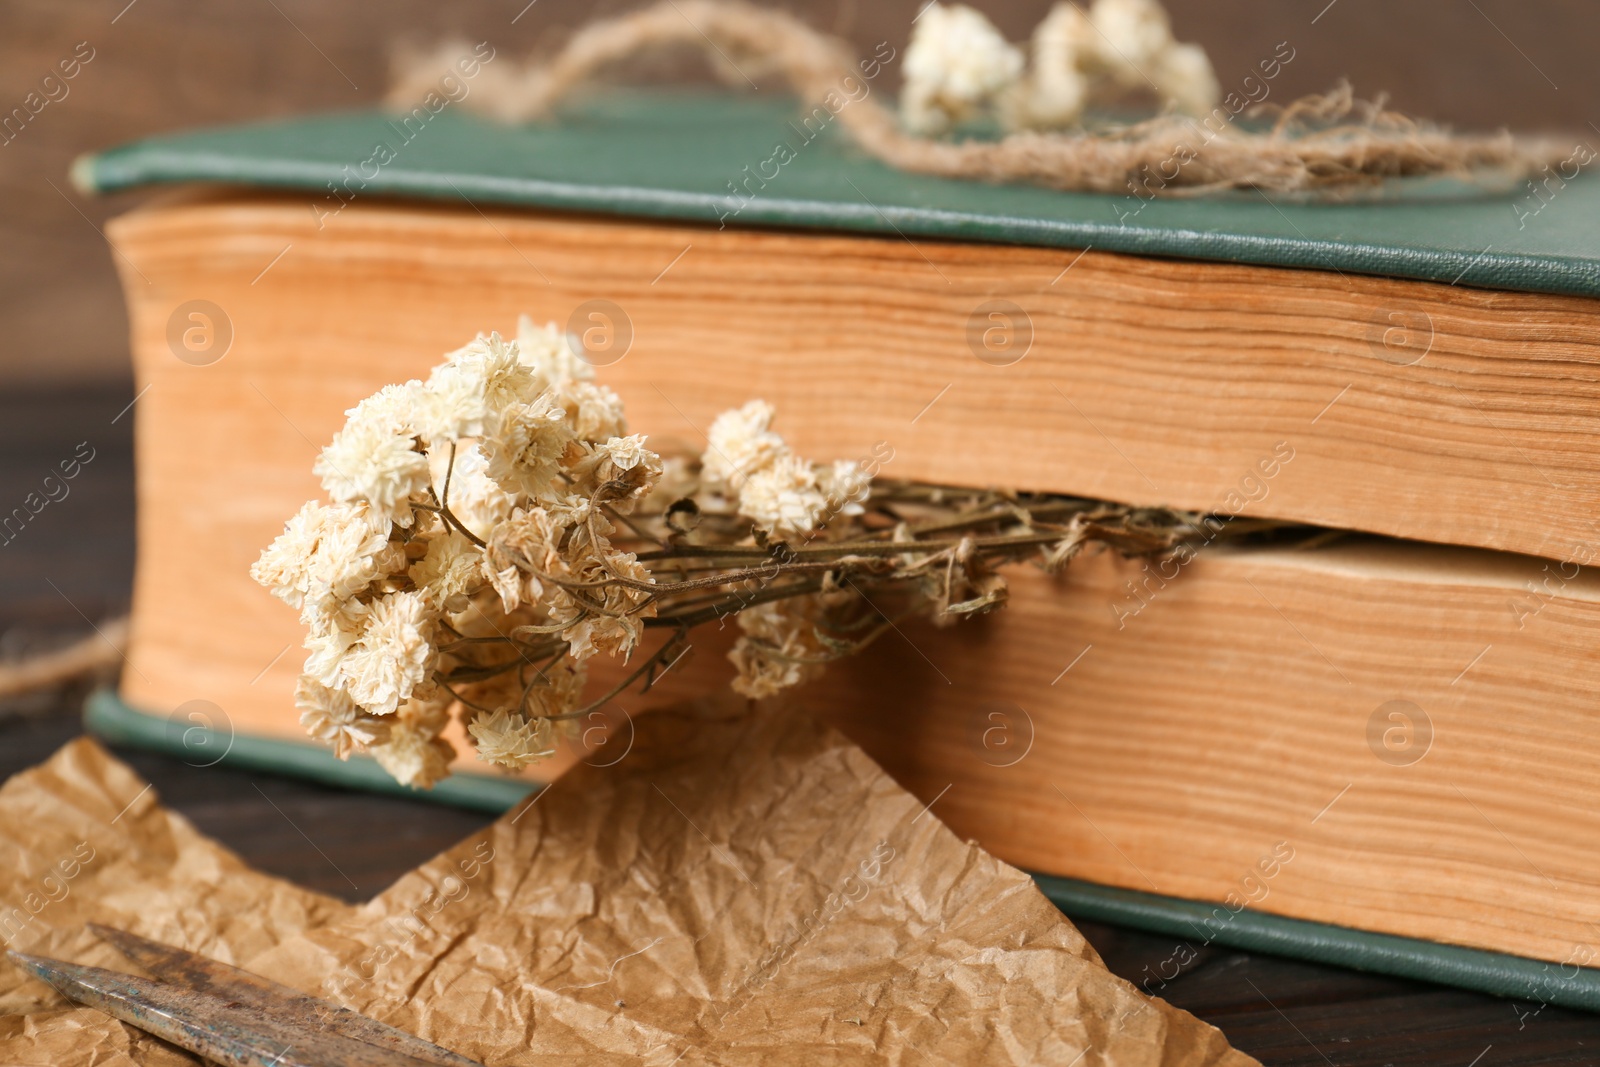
pixel 493 529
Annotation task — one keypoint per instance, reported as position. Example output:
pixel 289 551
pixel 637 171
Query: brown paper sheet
pixel 741 888
pixel 83 839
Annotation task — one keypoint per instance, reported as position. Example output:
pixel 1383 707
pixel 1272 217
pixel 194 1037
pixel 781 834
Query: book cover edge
pixel 166 160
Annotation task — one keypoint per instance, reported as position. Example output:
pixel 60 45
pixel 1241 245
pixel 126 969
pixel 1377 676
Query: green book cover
pixel 725 160
pixel 758 161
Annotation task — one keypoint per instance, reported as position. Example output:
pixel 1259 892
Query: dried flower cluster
pixel 493 529
pixel 960 67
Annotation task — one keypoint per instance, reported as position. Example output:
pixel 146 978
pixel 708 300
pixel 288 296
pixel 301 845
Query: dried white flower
pixel 575 510
pixel 590 635
pixel 1133 33
pixel 521 551
pixel 330 716
pixel 525 445
pixel 770 656
pixel 740 444
pixel 846 486
pixel 622 465
pixel 1056 89
pixel 392 656
pixel 510 470
pixel 511 740
pixel 1183 74
pixel 784 498
pixel 332 626
pixel 626 454
pixel 449 572
pixel 414 754
pixel 326 552
pixel 375 458
pixel 594 411
pixel 777 490
pixel 956 65
pixel 558 688
pixel 616 630
pixel 467 393
pixel 284 565
pixel 548 350
pixel 352 551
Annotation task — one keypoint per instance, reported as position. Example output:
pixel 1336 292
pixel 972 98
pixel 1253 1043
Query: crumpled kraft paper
pixel 83 839
pixel 740 888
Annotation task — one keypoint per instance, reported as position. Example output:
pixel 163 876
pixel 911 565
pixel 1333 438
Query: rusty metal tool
pixel 231 1016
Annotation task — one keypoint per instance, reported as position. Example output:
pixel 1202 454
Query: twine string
pixel 1325 142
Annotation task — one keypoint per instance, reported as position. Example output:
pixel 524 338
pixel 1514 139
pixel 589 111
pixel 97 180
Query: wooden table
pixel 73 563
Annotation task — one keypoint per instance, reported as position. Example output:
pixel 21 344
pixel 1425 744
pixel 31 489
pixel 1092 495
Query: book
pixel 1423 370
pixel 1437 366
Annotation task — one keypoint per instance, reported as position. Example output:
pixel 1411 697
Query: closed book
pixel 1336 735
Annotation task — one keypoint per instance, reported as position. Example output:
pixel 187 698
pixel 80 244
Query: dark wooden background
pixel 171 64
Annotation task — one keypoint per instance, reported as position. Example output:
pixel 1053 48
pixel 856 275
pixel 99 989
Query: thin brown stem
pixel 440 678
pixel 857 548
pixel 451 522
pixel 723 607
pixel 653 660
